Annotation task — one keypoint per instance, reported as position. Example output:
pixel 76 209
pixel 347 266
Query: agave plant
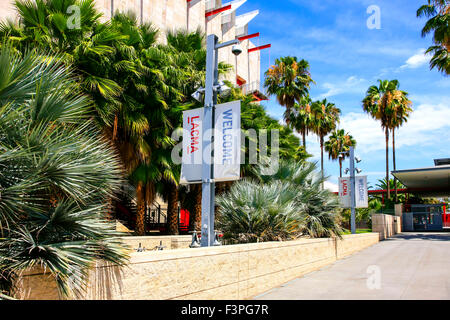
pixel 57 176
pixel 279 206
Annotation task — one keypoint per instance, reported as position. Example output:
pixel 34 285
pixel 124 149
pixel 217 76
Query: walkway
pixel 407 266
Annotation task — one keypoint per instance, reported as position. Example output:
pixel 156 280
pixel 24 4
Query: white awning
pixel 432 181
pixel 243 20
pixel 226 16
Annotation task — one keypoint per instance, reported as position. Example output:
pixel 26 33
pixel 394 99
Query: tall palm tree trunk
pixel 172 210
pixel 304 139
pixel 387 164
pixel 140 193
pixel 195 220
pixel 393 158
pixel 321 159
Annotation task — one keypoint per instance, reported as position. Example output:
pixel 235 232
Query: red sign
pixel 195 134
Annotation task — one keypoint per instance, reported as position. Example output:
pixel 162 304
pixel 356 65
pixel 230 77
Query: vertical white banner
pixel 191 167
pixel 227 141
pixel 344 192
pixel 362 194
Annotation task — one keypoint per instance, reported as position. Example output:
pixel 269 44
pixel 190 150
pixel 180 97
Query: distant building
pixel 426 182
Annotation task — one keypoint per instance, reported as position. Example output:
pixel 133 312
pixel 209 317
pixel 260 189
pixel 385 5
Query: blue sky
pixel 346 57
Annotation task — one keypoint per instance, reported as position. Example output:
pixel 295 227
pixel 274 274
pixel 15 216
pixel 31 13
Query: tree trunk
pixel 393 158
pixel 340 167
pixel 140 225
pixel 116 122
pixel 195 219
pixel 321 160
pixel 387 164
pixel 172 210
pixel 304 140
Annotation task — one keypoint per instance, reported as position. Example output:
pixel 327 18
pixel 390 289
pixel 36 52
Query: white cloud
pixel 425 126
pixel 417 60
pixel 331 186
pixel 353 84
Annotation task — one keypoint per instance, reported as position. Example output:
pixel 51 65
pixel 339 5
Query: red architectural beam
pixel 216 11
pixel 250 36
pixel 259 48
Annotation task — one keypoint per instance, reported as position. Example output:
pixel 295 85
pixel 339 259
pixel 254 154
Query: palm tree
pixel 289 80
pixel 186 73
pixel 381 104
pixel 439 23
pixel 128 95
pixel 91 47
pixel 393 184
pixel 338 145
pixel 299 117
pixel 401 113
pixel 57 175
pixel 143 122
pixel 325 117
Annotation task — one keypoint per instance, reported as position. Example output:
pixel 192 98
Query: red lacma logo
pixel 195 134
pixel 344 187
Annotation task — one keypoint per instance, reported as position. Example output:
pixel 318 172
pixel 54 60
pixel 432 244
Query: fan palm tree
pixel 299 117
pixel 186 73
pixel 289 80
pixel 251 212
pixel 90 46
pixel 338 145
pixel 325 117
pixel 105 58
pixel 381 103
pixel 184 70
pixel 144 124
pixel 401 113
pixel 57 175
pixel 439 23
pixel 393 184
pixel 282 206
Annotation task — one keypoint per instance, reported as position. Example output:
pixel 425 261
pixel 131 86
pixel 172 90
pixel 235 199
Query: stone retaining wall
pixel 226 272
pixel 386 225
pixel 151 242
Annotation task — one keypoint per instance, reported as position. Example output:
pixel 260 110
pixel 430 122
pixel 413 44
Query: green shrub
pixel 282 206
pixel 57 176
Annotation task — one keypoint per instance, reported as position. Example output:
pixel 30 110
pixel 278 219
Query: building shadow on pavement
pixel 430 236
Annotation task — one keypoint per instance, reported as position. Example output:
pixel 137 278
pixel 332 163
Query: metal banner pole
pixel 208 184
pixel 352 190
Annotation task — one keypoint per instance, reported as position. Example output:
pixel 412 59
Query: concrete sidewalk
pixel 407 266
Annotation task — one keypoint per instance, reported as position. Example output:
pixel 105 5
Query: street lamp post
pixel 352 170
pixel 211 90
pixel 352 190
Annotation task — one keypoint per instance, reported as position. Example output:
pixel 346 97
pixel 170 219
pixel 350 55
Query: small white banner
pixel 344 192
pixel 227 141
pixel 191 168
pixel 361 194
